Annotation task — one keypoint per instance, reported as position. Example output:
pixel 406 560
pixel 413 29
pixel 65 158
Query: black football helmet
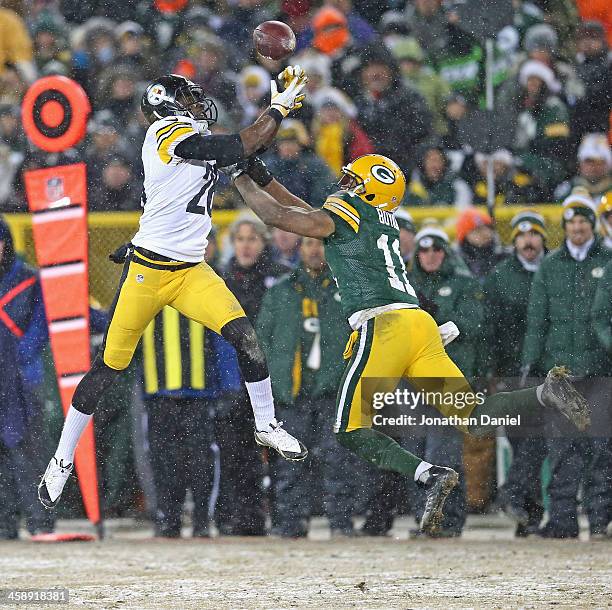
pixel 175 95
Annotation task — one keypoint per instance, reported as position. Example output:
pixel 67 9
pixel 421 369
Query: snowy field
pixel 487 568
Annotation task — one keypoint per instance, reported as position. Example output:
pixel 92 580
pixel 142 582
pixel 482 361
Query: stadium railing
pixel 108 230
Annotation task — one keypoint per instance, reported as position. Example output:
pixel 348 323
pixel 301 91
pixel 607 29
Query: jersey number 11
pixel 397 282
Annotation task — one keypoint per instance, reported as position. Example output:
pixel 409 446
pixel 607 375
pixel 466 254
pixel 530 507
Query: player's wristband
pixel 276 115
pixel 258 172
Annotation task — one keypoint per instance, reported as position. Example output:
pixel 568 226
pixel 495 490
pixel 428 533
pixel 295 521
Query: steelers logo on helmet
pixel 383 174
pixel 569 214
pixel 156 94
pixel 524 226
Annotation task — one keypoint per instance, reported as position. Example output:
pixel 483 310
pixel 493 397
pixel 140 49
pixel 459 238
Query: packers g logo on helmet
pixel 375 179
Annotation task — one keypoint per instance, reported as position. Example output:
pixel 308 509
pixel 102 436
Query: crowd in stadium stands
pixel 401 78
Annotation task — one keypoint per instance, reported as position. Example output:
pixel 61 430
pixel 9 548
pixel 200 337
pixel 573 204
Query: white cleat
pixel 52 483
pixel 281 441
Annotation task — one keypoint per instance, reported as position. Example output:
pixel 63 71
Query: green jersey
pixel 364 256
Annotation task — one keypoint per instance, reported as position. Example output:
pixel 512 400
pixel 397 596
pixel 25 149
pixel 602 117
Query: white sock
pixel 260 393
pixel 74 425
pixel 422 468
pixel 539 394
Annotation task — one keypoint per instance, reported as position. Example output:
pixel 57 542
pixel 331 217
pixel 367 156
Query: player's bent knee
pixel 93 385
pixel 251 359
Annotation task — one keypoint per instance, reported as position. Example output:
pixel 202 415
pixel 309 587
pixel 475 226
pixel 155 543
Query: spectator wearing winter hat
pixel 512 184
pixel 332 38
pixel 416 75
pixel 541 138
pixel 477 242
pixel 559 331
pixel 360 30
pixel 252 89
pixel 132 51
pixel 604 215
pixel 541 44
pixel 330 31
pixel 297 167
pixel 506 291
pixel 395 118
pixel 433 183
pixel 594 169
pixel 50 46
pixel 407 233
pixel 594 68
pixel 447 291
pixel 337 137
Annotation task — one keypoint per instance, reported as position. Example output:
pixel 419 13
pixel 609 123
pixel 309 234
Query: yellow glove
pixel 294 78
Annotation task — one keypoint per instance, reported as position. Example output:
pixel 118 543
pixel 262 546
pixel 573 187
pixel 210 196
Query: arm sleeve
pixel 226 150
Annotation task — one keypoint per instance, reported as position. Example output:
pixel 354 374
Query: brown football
pixel 274 39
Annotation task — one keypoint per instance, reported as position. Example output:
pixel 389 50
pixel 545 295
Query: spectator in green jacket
pixel 542 132
pixel 601 314
pixel 594 169
pixel 303 332
pixel 448 292
pixel 417 75
pixel 559 332
pixel 507 290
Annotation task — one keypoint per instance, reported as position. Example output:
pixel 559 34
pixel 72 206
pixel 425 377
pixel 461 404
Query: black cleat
pixel 558 393
pixel 440 483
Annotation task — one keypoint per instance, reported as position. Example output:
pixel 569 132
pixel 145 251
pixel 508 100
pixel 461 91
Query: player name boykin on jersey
pixel 364 255
pixel 177 196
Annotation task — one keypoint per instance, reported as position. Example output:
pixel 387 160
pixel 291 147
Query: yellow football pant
pixel 399 344
pixel 197 292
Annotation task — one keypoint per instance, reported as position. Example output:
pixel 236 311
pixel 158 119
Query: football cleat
pixel 438 485
pixel 282 442
pixel 559 393
pixel 52 483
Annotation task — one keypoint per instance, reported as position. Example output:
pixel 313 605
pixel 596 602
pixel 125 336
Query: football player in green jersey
pixel 393 338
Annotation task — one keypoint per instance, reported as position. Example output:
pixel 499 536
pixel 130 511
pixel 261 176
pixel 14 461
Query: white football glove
pixel 294 78
pixel 448 332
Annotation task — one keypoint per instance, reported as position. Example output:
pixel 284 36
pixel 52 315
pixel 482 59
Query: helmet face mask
pixel 174 95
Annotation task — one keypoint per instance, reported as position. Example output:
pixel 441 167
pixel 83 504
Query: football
pixel 274 39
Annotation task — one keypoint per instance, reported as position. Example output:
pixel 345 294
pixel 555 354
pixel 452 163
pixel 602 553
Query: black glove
pixel 258 172
pixel 118 256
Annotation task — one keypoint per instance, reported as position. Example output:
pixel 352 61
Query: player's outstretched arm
pixel 307 222
pixel 258 136
pixel 230 149
pixel 259 172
